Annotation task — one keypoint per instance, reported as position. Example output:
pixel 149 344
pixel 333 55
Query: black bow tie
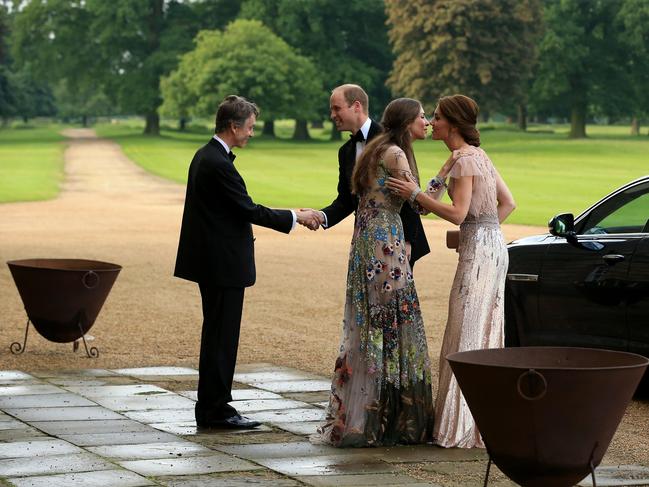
pixel 357 137
pixel 231 156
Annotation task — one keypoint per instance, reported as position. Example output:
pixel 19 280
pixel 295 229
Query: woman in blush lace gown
pixel 480 202
pixel 381 390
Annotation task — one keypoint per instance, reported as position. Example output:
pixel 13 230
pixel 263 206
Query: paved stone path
pixel 135 427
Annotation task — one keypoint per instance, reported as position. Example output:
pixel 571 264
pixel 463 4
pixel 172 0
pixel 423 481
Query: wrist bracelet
pixel 436 184
pixel 413 195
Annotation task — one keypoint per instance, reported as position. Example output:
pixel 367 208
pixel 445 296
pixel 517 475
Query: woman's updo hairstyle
pixel 462 113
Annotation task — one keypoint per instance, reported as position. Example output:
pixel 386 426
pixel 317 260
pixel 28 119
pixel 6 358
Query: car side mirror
pixel 562 225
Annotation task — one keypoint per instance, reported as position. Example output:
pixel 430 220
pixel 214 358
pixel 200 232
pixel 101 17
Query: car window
pixel 627 212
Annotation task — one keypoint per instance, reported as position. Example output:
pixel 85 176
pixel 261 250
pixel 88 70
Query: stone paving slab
pixel 189 466
pixel 123 425
pixel 363 480
pixel 72 413
pixel 104 478
pixel 20 389
pixel 620 475
pixel 44 400
pixel 126 428
pixel 326 465
pixel 20 449
pixel 83 462
pixel 144 451
pixel 127 438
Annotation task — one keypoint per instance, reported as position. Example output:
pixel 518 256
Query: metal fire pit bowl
pixel 547 414
pixel 62 297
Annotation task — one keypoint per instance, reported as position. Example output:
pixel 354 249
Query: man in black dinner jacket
pixel 216 251
pixel 349 107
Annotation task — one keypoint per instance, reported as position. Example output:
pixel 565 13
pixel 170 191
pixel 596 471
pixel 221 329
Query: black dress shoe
pixel 233 422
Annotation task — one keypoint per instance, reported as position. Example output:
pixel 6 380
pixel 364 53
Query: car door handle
pixel 613 258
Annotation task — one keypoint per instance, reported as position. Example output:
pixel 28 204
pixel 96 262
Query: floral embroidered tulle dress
pixel 381 390
pixel 476 301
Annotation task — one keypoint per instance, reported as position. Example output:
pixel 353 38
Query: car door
pixel 638 298
pixel 584 286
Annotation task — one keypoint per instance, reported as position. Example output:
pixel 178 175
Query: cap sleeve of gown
pixel 465 165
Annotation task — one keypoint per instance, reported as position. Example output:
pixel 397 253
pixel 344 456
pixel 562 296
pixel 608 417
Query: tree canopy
pixel 245 59
pixel 481 48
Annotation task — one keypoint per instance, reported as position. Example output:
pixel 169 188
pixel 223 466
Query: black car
pixel 586 283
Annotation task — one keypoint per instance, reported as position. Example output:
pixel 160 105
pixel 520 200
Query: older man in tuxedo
pixel 216 251
pixel 349 105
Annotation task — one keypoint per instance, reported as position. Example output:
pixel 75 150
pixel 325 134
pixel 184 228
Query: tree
pixel 633 22
pixel 347 45
pixel 583 61
pixel 80 104
pixel 122 47
pixel 482 48
pixel 245 59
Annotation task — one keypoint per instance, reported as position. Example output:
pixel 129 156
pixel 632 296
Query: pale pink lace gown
pixel 476 302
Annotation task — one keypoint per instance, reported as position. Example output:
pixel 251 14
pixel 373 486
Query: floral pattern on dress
pixel 381 390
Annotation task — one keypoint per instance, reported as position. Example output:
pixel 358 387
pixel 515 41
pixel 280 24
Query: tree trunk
pixel 635 126
pixel 301 130
pixel 484 116
pixel 25 119
pixel 269 128
pixel 578 121
pixel 182 124
pixel 152 126
pixel 522 116
pixel 335 133
pixel 317 124
pixel 84 121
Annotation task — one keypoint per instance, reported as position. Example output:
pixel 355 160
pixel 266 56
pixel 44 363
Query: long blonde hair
pixel 397 117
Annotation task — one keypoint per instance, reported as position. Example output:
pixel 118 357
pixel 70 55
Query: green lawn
pixel 547 172
pixel 31 163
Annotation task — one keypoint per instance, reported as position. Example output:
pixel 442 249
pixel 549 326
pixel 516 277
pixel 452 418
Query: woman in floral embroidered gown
pixel 480 202
pixel 381 390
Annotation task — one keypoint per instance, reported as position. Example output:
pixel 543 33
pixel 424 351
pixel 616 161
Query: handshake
pixel 312 219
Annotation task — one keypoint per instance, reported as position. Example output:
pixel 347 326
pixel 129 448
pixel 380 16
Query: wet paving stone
pixel 239 394
pixel 63 413
pixel 430 453
pixel 364 480
pixel 103 478
pixel 11 424
pixel 267 405
pixel 76 382
pixel 21 449
pixel 189 428
pixel 254 437
pixel 44 400
pixel 162 415
pixel 143 451
pixel 272 376
pixel 147 372
pixel 618 475
pixel 25 433
pixel 246 479
pixel 90 427
pixel 22 467
pixel 45 374
pixel 118 390
pixel 326 465
pixel 303 428
pixel 310 397
pixel 145 402
pixel 288 415
pixel 188 466
pixel 13 375
pixel 129 438
pixel 287 450
pixel 295 385
pixel 22 390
